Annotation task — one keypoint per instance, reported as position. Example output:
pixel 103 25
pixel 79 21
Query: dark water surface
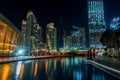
pixel 72 68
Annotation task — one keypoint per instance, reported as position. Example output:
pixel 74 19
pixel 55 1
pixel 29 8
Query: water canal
pixel 72 68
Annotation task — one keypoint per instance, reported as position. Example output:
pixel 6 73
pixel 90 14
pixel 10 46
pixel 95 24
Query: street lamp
pixel 20 51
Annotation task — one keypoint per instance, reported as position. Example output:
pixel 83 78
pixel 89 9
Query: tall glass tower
pixel 51 36
pixel 96 22
pixel 30 30
pixel 33 31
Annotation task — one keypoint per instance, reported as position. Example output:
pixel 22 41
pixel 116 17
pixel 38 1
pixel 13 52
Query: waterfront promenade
pixel 110 62
pixel 13 59
pixel 104 61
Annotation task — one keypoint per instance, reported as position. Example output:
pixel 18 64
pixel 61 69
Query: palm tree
pixel 111 39
pixel 118 41
pixel 107 39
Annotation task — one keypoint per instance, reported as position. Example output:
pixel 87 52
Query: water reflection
pixel 36 68
pixel 77 75
pixel 55 64
pixel 73 68
pixel 18 68
pixel 46 66
pixel 5 72
pixel 19 71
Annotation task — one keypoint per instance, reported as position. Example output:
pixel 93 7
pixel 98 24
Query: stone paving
pixel 108 62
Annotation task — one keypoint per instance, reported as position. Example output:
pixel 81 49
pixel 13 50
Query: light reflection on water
pixel 73 68
pixel 5 72
pixel 18 68
pixel 36 68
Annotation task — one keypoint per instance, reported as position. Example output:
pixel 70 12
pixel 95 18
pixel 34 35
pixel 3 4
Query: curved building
pixel 115 24
pixel 10 36
pixel 96 23
pixel 51 36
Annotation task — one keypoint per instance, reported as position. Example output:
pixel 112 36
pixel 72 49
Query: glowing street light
pixel 20 51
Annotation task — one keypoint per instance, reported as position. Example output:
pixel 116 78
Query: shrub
pixel 115 56
pixel 105 54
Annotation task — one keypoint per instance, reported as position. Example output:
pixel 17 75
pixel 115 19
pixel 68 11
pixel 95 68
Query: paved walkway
pixel 12 59
pixel 108 62
pixel 105 61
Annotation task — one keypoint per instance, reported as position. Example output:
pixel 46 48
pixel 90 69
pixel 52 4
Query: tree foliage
pixel 111 39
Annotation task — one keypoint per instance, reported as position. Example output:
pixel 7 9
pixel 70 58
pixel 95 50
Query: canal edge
pixel 104 68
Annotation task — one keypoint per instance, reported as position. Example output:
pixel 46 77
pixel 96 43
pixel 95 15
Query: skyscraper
pixel 51 36
pixel 96 22
pixel 80 34
pixel 61 34
pixel 76 41
pixel 30 34
pixel 68 42
pixel 82 40
pixel 78 38
pixel 23 32
pixel 32 31
pixel 115 23
pixel 64 40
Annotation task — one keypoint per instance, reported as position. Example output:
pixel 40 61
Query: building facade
pixel 96 22
pixel 82 39
pixel 23 30
pixel 51 36
pixel 32 32
pixel 68 43
pixel 76 40
pixel 115 24
pixel 79 36
pixel 10 36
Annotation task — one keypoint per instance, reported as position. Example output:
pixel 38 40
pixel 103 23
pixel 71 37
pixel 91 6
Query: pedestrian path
pixel 104 68
pixel 107 62
pixel 12 59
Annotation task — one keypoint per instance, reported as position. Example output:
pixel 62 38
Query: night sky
pixel 73 12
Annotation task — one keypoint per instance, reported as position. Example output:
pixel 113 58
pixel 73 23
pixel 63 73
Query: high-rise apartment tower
pixel 96 22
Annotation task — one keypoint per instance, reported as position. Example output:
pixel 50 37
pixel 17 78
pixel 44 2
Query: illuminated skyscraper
pixel 33 31
pixel 82 40
pixel 38 34
pixel 68 42
pixel 23 32
pixel 78 38
pixel 51 36
pixel 75 39
pixel 64 43
pixel 96 22
pixel 115 24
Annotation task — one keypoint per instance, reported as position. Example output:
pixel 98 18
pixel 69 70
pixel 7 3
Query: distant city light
pixel 20 51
